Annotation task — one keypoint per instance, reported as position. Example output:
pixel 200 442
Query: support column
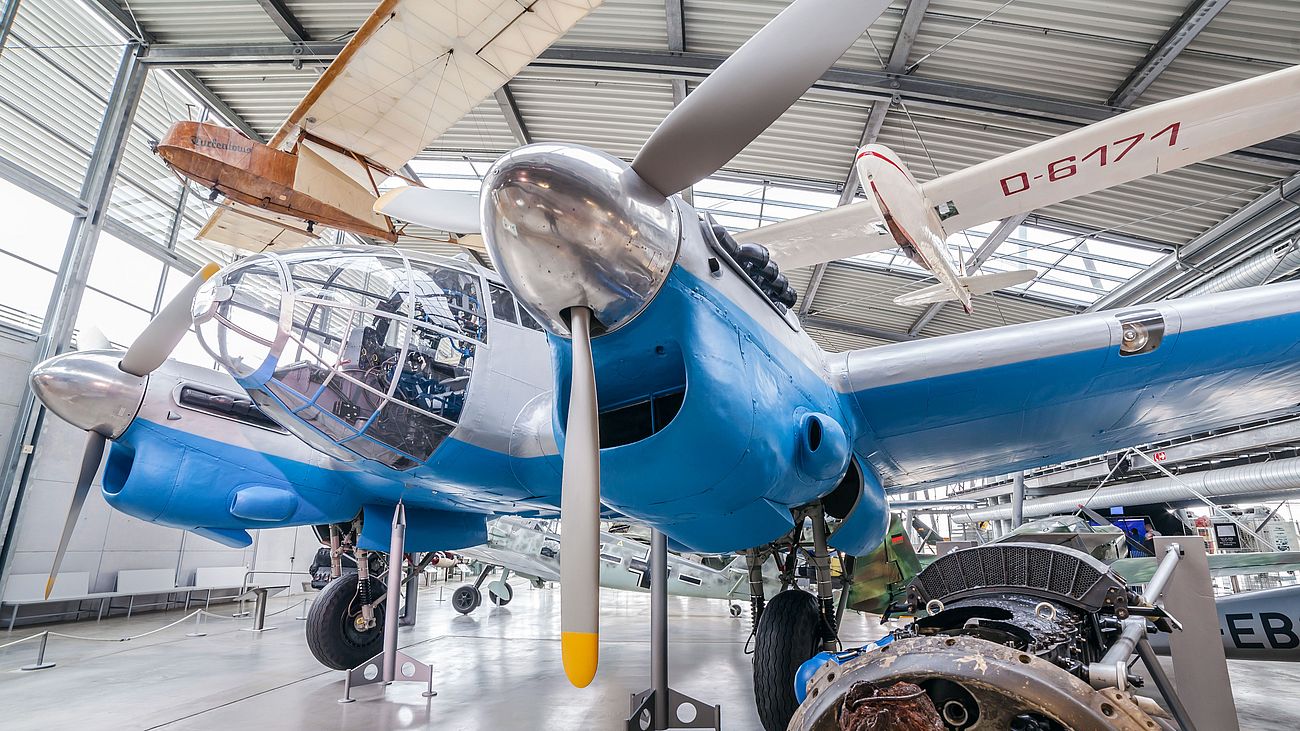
pixel 7 21
pixel 657 709
pixel 1018 501
pixel 70 283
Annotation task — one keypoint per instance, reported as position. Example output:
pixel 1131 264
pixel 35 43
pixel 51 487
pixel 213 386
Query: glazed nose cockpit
pixel 361 353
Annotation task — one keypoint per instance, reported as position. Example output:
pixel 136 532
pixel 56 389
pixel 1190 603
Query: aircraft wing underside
pixel 513 560
pixel 990 402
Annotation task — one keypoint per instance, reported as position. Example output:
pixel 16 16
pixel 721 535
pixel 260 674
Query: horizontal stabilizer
pixel 985 283
pixel 979 284
pixel 926 296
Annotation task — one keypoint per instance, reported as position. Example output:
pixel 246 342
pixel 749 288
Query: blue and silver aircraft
pixel 628 358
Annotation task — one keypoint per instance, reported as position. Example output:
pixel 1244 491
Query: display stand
pixel 391 665
pixel 661 708
pixel 1200 668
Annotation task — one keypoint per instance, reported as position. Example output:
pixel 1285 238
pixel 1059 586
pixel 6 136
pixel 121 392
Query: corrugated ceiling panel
pixel 209 21
pixel 630 24
pixel 815 139
pixel 1247 38
pixel 262 97
pixel 327 19
pixel 1267 30
pixel 596 108
pixel 55 77
pixel 836 341
pixel 990 310
pixel 1024 58
pixel 484 129
pixel 721 26
pixel 854 293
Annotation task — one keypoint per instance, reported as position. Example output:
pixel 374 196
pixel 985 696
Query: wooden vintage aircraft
pixel 410 71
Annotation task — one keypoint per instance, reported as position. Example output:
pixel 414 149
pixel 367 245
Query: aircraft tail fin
pixel 881 577
pixel 978 284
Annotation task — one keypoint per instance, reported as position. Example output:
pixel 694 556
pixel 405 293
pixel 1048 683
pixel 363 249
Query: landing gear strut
pixel 793 626
pixel 468 597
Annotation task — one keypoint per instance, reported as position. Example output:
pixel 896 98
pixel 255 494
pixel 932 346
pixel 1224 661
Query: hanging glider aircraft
pixel 526 547
pixel 672 386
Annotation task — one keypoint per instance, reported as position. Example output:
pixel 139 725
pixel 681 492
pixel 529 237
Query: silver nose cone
pixel 568 225
pixel 89 391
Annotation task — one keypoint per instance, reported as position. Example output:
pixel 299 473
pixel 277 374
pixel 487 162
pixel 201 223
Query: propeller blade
pixel 92 338
pixel 751 89
pixel 90 460
pixel 165 331
pixel 580 514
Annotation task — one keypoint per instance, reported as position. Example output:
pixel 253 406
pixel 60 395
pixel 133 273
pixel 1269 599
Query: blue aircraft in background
pixel 628 357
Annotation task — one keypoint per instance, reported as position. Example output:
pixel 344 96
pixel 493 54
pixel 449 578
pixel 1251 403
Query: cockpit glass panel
pixel 370 350
pixel 503 303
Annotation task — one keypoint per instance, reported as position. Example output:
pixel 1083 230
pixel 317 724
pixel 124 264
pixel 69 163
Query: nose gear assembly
pixel 1019 636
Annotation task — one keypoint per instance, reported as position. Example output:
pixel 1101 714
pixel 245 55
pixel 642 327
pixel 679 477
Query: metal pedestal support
pixel 661 707
pixel 391 665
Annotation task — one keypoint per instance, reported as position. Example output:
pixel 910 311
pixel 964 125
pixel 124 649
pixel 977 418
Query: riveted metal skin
pixel 570 226
pixel 88 390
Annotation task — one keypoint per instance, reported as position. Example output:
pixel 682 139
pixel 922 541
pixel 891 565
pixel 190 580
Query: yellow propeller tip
pixel 49 586
pixel 209 269
pixel 580 651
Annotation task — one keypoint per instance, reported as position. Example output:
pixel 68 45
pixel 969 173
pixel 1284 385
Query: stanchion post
pixel 40 663
pixel 198 624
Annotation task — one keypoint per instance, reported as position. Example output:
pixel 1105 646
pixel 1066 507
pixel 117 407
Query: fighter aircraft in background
pixel 528 548
pixel 672 386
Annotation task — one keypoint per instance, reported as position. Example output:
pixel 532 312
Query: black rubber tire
pixel 789 633
pixel 466 599
pixel 332 635
pixel 501 601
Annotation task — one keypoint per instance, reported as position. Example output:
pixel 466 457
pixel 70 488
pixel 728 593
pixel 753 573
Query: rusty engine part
pixel 1004 638
pixel 900 707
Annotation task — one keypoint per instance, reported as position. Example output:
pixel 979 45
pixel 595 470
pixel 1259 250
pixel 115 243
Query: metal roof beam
pixel 285 20
pixel 1193 20
pixel 7 21
pixel 915 90
pixel 114 13
pixel 514 120
pixel 977 259
pixel 906 37
pixel 853 328
pixel 175 55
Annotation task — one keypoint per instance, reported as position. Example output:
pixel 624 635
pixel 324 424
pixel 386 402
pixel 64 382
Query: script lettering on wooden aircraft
pixel 1066 167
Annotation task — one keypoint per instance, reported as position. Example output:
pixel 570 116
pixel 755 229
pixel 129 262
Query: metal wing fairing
pixel 361 353
pixel 1017 397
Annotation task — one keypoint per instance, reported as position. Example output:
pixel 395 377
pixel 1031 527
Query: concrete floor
pixel 497 669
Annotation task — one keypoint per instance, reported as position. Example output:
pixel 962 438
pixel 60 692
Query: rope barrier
pixel 44 635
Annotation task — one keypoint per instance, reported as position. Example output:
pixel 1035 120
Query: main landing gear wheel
pixel 500 593
pixel 466 599
pixel 789 633
pixel 335 631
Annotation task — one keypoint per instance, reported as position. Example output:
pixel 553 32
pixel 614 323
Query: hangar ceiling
pixel 946 83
